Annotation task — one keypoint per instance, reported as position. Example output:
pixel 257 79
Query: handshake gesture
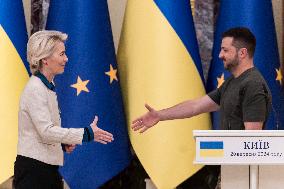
pixel 100 135
pixel 146 121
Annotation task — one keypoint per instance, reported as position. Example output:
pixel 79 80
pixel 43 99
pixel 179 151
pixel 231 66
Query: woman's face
pixel 57 61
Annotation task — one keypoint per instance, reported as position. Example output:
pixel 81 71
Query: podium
pixel 249 159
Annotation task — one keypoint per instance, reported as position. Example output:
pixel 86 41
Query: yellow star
pixel 220 80
pixel 279 76
pixel 80 85
pixel 112 74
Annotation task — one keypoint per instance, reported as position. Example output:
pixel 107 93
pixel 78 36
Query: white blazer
pixel 40 133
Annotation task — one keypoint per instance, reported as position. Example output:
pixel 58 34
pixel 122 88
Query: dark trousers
pixel 33 174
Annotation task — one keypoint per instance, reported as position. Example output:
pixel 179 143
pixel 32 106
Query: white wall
pixel 116 11
pixel 27 9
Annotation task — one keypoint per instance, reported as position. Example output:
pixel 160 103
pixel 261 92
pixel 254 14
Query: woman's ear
pixel 44 61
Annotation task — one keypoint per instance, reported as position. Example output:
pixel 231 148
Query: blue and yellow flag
pixel 257 15
pixel 211 149
pixel 13 77
pixel 159 64
pixel 89 87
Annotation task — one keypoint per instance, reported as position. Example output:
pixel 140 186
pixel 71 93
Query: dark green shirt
pixel 246 98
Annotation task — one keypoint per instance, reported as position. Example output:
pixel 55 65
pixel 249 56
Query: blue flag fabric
pixel 257 15
pixel 183 26
pixel 89 87
pixel 12 19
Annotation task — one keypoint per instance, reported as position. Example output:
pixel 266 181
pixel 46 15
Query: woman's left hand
pixel 70 148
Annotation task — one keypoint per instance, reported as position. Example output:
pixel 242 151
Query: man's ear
pixel 243 52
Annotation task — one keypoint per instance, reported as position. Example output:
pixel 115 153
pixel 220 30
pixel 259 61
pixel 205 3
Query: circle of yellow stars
pixel 82 85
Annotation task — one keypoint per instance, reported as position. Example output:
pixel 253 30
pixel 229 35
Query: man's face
pixel 229 54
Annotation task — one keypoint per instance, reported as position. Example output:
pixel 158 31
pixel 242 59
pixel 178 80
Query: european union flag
pixel 13 77
pixel 89 87
pixel 256 15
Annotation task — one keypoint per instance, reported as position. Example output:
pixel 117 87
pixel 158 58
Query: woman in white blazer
pixel 41 139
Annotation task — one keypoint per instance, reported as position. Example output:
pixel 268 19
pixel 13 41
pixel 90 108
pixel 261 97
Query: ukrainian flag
pixel 257 15
pixel 211 149
pixel 14 75
pixel 89 87
pixel 159 64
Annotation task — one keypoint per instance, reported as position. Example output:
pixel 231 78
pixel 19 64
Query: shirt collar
pixel 48 84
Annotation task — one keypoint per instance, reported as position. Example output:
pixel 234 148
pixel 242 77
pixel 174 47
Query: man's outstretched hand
pixel 146 121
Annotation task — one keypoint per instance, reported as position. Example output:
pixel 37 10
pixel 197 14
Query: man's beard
pixel 232 64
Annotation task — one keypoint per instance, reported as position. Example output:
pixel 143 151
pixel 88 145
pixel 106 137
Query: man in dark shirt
pixel 243 100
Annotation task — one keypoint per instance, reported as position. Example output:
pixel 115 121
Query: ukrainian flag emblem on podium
pixel 211 149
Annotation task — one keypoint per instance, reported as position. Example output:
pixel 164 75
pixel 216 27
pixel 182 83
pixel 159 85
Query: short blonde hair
pixel 41 45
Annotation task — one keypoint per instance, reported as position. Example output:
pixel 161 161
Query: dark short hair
pixel 242 38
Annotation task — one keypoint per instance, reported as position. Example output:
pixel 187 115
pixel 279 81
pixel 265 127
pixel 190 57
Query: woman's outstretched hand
pixel 101 135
